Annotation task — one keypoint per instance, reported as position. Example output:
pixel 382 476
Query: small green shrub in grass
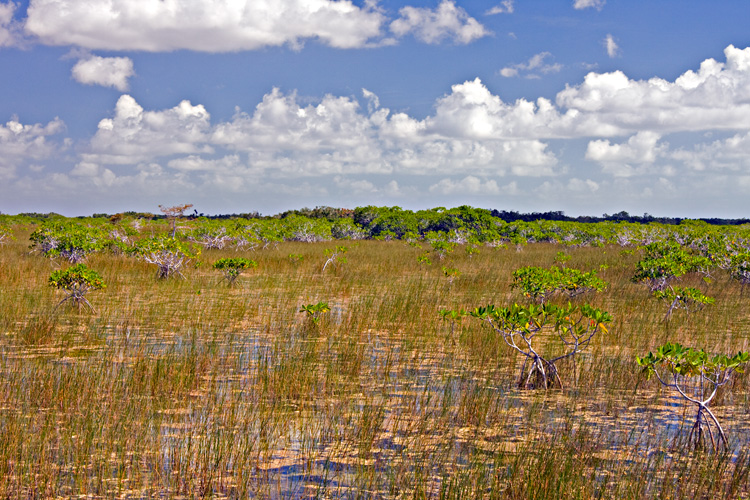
pixel 77 281
pixel 540 284
pixel 167 253
pixel 687 298
pixel 696 377
pixel 315 311
pixel 6 233
pixel 335 255
pixel 233 267
pixel 664 262
pixel 519 326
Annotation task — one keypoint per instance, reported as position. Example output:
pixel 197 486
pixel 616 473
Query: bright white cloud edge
pixel 105 71
pixel 243 25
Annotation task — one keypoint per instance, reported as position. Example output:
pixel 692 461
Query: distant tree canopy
pixel 385 220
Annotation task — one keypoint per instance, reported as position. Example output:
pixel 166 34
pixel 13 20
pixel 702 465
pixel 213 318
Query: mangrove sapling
pixel 69 240
pixel 6 233
pixel 687 298
pixel 518 326
pixel 76 281
pixel 233 267
pixel 451 274
pixel 167 253
pixel 740 269
pixel 664 262
pixel 315 311
pixel 540 284
pixel 335 255
pixel 424 259
pixel 675 366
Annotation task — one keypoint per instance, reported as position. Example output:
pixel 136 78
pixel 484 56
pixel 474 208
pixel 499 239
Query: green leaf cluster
pixel 314 311
pixel 77 277
pixel 684 295
pixel 70 240
pixel 664 261
pixel 233 267
pixel 540 284
pixel 689 362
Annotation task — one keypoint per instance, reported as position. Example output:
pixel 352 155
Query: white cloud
pixel 135 135
pixel 201 25
pixel 8 28
pixel 105 71
pixel 613 50
pixel 731 154
pixel 433 26
pixel 505 7
pixel 354 187
pixel 21 144
pixel 532 68
pixel 640 148
pixel 586 4
pixel 630 158
pixel 581 186
pixel 715 97
pixel 467 185
pixel 471 132
pixel 344 146
pixel 472 111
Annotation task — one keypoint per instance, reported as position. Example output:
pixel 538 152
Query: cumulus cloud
pixel 717 96
pixel 433 26
pixel 9 29
pixel 731 154
pixel 472 111
pixel 467 185
pixel 589 4
pixel 471 132
pixel 21 144
pixel 505 7
pixel 640 148
pixel 581 186
pixel 629 158
pixel 135 135
pixel 532 68
pixel 202 25
pixel 105 71
pixel 343 144
pixel 613 50
pixel 354 186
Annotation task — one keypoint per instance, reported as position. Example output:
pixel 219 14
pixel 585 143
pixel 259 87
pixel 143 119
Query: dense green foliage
pixel 540 284
pixel 77 281
pixel 233 267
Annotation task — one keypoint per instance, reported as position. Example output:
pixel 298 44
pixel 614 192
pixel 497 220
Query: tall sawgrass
pixel 188 388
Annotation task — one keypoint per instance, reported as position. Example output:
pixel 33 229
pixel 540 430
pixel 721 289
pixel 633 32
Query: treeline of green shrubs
pixel 461 225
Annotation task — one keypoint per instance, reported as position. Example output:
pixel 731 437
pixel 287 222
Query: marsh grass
pixel 187 388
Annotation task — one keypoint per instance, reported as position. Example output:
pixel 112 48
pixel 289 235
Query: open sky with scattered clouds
pixel 585 106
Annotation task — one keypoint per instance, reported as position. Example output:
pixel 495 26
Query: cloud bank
pixel 238 25
pixel 473 144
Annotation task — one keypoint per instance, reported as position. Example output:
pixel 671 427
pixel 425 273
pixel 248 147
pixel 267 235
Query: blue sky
pixel 585 106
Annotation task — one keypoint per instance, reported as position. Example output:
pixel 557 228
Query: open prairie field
pixel 190 386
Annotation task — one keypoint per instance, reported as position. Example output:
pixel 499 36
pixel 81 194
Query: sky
pixel 236 106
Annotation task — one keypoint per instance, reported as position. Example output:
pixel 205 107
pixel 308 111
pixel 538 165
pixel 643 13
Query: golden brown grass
pixel 191 388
